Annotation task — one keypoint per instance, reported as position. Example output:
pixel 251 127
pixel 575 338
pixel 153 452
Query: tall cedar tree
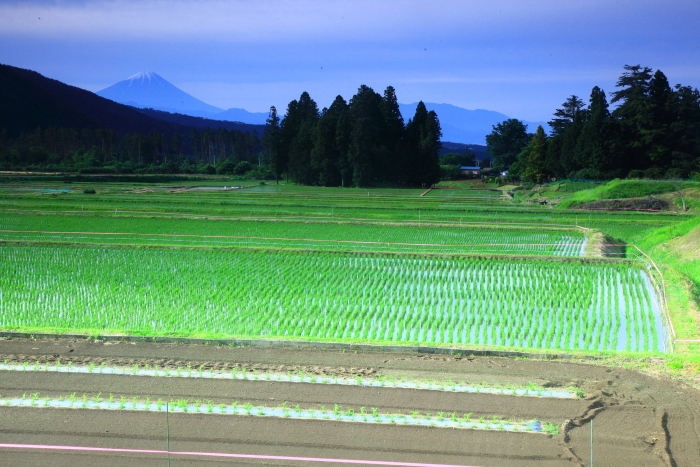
pixel 593 145
pixel 421 146
pixel 393 132
pixel 366 152
pixel 273 139
pixel 506 141
pixel 534 157
pixel 633 115
pixel 343 133
pixel 300 147
pixel 326 155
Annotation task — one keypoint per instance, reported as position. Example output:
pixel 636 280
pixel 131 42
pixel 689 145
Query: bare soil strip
pixel 638 420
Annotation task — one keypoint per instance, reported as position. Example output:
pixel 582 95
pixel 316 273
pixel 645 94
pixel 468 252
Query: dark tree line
pixel 654 131
pixel 358 143
pixel 98 150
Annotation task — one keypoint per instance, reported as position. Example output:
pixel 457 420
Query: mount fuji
pixel 150 90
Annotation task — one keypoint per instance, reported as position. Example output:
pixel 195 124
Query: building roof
pixel 469 168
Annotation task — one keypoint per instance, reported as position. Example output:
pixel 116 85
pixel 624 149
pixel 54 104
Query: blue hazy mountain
pixel 152 91
pixel 149 90
pixel 463 125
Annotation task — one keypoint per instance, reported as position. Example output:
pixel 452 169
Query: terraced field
pixel 466 269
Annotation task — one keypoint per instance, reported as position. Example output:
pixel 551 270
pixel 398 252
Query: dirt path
pixel 638 420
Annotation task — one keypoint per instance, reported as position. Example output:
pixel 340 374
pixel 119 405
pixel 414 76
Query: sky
pixel 519 57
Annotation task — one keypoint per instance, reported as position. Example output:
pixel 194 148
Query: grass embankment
pixel 676 249
pixel 626 189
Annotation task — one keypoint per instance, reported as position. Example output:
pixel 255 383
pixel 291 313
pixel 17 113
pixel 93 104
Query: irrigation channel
pixel 191 373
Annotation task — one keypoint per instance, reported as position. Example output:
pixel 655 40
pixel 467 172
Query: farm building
pixel 466 170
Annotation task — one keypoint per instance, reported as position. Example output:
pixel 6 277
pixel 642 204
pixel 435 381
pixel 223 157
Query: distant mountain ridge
pixel 148 90
pixel 466 126
pixel 29 100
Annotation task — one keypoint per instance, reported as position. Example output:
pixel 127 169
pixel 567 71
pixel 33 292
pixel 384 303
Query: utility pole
pixel 591 442
pixel 167 430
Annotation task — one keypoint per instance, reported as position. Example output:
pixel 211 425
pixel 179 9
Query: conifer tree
pixel 533 162
pixel 273 139
pixel 593 149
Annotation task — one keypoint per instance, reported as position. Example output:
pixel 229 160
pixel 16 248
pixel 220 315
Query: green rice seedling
pixel 550 428
pixel 122 402
pixel 35 397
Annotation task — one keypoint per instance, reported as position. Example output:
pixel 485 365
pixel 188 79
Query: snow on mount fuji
pixel 152 90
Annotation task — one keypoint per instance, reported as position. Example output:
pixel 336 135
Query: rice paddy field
pixel 283 283
pixel 455 267
pixel 515 240
pixel 334 296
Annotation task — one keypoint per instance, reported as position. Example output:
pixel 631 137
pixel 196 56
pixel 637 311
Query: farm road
pixel 639 420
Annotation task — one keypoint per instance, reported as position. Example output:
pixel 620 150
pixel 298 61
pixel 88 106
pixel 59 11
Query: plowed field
pixel 638 420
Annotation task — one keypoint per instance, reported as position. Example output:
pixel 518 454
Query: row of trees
pixel 359 143
pixel 67 148
pixel 653 130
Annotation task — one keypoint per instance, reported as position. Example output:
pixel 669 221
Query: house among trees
pixel 467 170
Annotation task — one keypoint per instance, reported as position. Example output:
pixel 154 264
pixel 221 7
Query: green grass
pixel 622 189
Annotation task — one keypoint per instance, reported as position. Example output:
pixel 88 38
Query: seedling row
pixel 389 382
pixel 363 415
